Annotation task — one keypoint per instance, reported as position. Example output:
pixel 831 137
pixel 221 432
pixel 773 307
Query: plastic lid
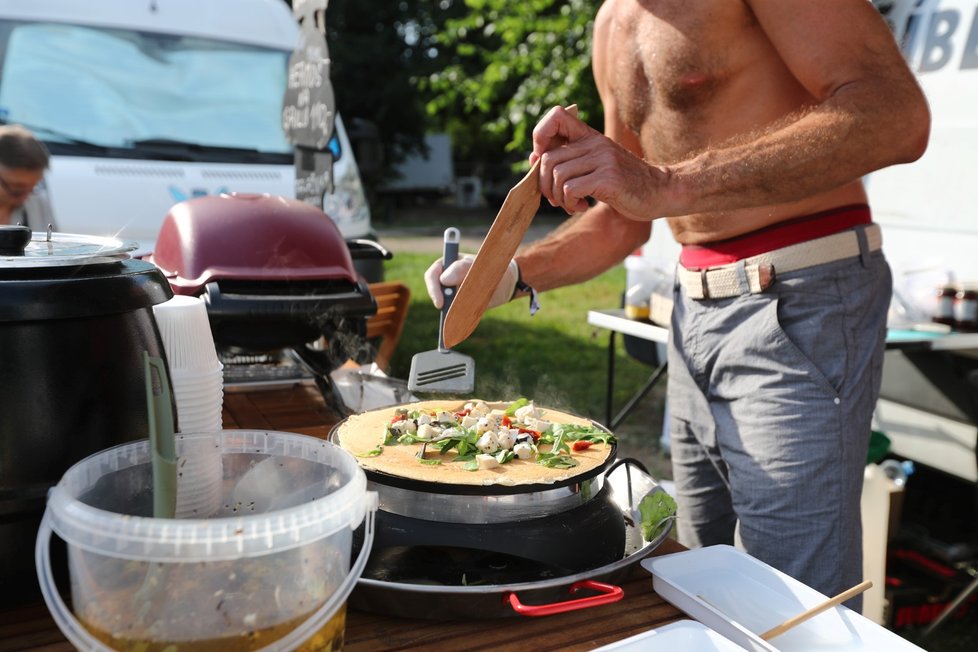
pixel 67 249
pixel 340 502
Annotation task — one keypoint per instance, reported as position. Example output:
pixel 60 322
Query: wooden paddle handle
pixel 817 609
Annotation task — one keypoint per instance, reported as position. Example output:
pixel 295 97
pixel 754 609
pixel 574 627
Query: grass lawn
pixel 555 357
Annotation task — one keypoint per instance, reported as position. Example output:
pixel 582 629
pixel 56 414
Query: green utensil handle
pixel 161 439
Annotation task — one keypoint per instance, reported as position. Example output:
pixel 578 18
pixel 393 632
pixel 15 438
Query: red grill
pixel 276 276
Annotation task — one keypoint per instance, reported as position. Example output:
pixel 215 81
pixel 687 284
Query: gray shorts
pixel 771 397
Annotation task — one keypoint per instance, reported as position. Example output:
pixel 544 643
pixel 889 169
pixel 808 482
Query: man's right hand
pixel 577 162
pixel 435 278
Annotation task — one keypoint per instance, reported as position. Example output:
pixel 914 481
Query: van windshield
pixel 82 86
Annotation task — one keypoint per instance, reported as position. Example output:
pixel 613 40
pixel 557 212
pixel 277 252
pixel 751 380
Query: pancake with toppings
pixel 476 442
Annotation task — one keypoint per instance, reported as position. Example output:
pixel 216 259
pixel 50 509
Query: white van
pixel 146 103
pixel 929 403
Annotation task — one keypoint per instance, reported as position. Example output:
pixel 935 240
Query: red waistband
pixel 776 236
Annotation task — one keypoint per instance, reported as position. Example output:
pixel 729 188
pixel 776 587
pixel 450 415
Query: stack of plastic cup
pixel 198 390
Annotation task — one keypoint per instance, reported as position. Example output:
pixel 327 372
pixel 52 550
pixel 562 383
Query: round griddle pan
pixel 489 585
pixel 496 503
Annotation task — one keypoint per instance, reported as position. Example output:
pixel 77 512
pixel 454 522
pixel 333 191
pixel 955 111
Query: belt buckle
pixel 765 275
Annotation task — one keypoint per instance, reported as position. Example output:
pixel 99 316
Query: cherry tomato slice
pixel 533 433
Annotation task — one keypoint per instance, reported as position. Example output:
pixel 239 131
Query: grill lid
pixel 249 237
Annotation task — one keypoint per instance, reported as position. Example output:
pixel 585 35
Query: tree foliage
pixel 508 62
pixel 377 48
pixel 485 71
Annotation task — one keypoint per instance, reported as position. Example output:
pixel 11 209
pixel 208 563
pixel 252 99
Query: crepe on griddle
pixel 364 432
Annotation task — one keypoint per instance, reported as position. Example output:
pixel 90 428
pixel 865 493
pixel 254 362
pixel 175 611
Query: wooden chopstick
pixel 817 609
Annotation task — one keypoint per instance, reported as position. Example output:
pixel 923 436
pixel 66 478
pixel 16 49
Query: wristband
pixel 521 286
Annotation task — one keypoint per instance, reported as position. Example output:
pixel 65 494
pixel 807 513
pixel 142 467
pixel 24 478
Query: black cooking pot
pixel 75 318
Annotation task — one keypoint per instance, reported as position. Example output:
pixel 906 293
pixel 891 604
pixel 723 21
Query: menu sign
pixel 309 106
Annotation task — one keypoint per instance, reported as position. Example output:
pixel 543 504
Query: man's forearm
pixel 821 149
pixel 581 248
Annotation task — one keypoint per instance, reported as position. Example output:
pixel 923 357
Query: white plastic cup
pixel 186 334
pixel 290 560
pixel 198 379
pixel 200 474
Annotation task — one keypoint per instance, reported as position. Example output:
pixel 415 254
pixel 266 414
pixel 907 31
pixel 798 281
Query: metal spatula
pixel 443 370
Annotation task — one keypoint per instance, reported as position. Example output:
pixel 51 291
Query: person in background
pixel 745 127
pixel 23 160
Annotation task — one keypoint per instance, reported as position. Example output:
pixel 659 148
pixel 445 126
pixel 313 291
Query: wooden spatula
pixel 497 250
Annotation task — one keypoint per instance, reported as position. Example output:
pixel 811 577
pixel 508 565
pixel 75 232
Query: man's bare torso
pixel 705 74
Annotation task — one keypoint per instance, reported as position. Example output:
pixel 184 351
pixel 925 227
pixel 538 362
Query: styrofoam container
pixel 674 637
pixel 740 597
pixel 269 570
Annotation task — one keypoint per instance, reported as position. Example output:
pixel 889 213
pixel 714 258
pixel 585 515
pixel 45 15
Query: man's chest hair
pixel 674 55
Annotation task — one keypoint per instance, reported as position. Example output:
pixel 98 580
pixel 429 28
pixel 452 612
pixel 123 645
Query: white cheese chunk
pixel 487 461
pixel 428 431
pixel 505 438
pixel 488 443
pixel 526 411
pixel 523 450
pixel 469 421
pixel 405 426
pixel 479 409
pixel 522 438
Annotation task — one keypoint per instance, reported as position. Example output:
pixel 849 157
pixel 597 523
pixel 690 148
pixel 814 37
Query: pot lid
pixel 55 249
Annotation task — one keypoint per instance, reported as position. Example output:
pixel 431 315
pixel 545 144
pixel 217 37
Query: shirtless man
pixel 747 125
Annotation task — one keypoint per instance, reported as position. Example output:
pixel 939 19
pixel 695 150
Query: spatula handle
pixel 449 255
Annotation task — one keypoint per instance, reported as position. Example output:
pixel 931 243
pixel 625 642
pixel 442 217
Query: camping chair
pixel 384 328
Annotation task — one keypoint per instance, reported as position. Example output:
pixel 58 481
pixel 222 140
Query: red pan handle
pixel 608 593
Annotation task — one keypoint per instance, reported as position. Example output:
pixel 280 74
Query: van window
pixel 143 95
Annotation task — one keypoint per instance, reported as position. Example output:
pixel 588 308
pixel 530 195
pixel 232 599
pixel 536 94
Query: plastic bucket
pixel 269 570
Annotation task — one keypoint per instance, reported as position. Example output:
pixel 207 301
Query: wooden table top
pixel 301 409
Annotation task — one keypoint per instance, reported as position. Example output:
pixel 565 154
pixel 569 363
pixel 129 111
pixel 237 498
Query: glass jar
pixel 944 312
pixel 637 301
pixel 966 309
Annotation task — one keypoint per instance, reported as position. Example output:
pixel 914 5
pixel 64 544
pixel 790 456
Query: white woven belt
pixel 725 281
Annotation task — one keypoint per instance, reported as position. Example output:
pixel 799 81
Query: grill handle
pixel 363 249
pixel 607 593
pixel 356 302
